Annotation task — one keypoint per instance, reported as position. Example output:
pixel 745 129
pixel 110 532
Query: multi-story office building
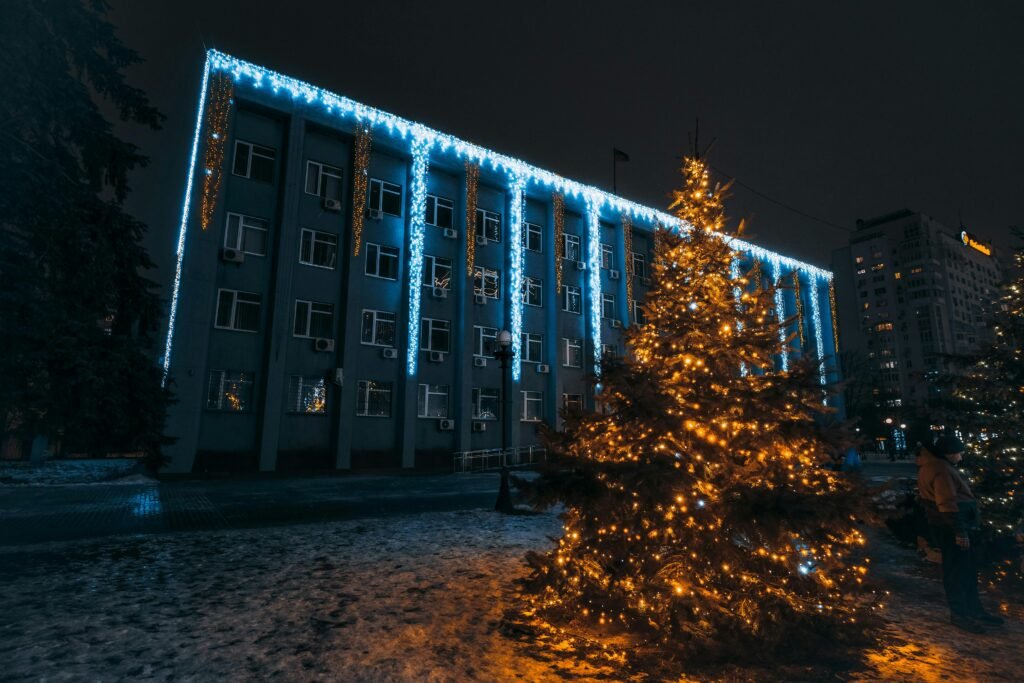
pixel 343 274
pixel 909 292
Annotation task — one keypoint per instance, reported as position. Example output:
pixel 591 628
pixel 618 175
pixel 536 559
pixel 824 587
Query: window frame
pixel 530 231
pixel 423 393
pixel 242 228
pixel 533 285
pixel 235 311
pixel 531 397
pixel 530 340
pixel 641 259
pixel 365 388
pixel 384 187
pixel 247 379
pixel 436 200
pixel 570 239
pixel 427 328
pixel 295 395
pixel 309 318
pixel 430 265
pixel 567 345
pixel 607 298
pixel 579 299
pixel 321 172
pixel 377 321
pixel 313 241
pixel 485 217
pixel 380 258
pixel 480 349
pixel 476 398
pixel 254 149
pixel 566 400
pixel 484 272
pixel 607 256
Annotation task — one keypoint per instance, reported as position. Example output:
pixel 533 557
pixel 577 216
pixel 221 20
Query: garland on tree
pixel 700 516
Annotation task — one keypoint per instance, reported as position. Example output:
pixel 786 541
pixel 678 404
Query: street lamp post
pixel 503 353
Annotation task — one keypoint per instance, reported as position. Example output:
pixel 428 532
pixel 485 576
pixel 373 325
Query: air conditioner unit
pixel 480 299
pixel 439 293
pixel 613 275
pixel 616 323
pixel 446 425
pixel 543 368
pixel 375 214
pixel 480 362
pixel 481 240
pixel 645 281
pixel 479 426
pixel 451 233
pixel 436 356
pixel 332 204
pixel 232 255
pixel 581 265
pixel 389 353
pixel 321 344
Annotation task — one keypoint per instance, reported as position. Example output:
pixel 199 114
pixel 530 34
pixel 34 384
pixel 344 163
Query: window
pixel 437 272
pixel 435 335
pixel 609 350
pixel 253 161
pixel 859 260
pixel 229 391
pixel 532 237
pixel 488 224
pixel 639 264
pixel 378 328
pixel 323 181
pixel 485 403
pixel 881 327
pixel 533 347
pixel 432 401
pixel 440 211
pixel 533 406
pixel 638 313
pixel 571 299
pixel 607 306
pixel 313 319
pixel 246 233
pixel 532 291
pixel 307 395
pixel 381 261
pixel 607 256
pixel 373 398
pixel 483 340
pixel 572 353
pixel 572 403
pixel 571 244
pixel 318 249
pixel 238 310
pixel 385 197
pixel 486 282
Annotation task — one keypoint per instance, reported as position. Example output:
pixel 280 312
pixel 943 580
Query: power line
pixel 784 205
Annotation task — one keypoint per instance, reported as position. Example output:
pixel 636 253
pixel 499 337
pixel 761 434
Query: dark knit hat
pixel 947 445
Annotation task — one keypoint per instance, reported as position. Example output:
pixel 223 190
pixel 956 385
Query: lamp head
pixel 504 339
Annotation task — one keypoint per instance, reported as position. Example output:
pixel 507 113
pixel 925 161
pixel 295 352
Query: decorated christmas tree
pixel 987 404
pixel 699 514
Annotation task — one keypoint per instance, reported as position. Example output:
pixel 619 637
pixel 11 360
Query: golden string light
pixel 627 234
pixel 832 312
pixel 558 204
pixel 217 119
pixel 472 187
pixel 755 275
pixel 360 184
pixel 799 306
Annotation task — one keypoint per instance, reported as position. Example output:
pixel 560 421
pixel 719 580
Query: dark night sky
pixel 840 110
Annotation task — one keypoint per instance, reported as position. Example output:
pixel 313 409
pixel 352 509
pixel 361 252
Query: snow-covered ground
pixel 61 472
pixel 415 598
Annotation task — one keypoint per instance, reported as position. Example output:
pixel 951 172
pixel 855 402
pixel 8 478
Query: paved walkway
pixel 32 514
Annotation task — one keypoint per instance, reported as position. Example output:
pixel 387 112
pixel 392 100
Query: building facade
pixel 909 292
pixel 343 273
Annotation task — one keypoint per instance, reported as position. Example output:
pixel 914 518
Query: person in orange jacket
pixel 953 516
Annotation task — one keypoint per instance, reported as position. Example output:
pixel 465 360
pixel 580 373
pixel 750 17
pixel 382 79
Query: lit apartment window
pixel 238 310
pixel 307 395
pixel 532 291
pixel 532 237
pixel 253 161
pixel 247 234
pixel 318 249
pixel 572 300
pixel 607 256
pixel 385 197
pixel 483 340
pixel 486 282
pixel 572 353
pixel 435 335
pixel 229 391
pixel 378 328
pixel 533 347
pixel 432 400
pixel 440 211
pixel 488 224
pixel 533 406
pixel 607 306
pixel 313 319
pixel 323 181
pixel 373 398
pixel 571 247
pixel 485 403
pixel 437 272
pixel 381 261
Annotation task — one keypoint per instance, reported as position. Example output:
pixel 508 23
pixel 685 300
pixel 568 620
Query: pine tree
pixel 987 404
pixel 699 514
pixel 77 315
